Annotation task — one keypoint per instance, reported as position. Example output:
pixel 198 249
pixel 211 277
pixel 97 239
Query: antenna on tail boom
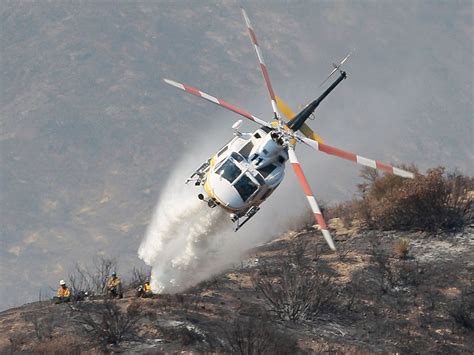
pixel 336 68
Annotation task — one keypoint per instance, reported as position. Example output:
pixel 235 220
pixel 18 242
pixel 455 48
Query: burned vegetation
pixel 387 289
pixel 431 202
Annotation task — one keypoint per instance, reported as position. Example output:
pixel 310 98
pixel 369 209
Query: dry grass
pixel 66 344
pixel 401 247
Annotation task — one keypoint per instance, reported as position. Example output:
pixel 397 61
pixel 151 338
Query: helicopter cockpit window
pixel 245 151
pixel 246 187
pixel 267 170
pixel 229 171
pixel 237 157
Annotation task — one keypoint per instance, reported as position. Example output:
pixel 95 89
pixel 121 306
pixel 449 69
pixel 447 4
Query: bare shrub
pixel 408 272
pixel 401 248
pixel 18 342
pixel 350 291
pixel 343 251
pixel 293 286
pixel 436 200
pixel 105 322
pixel 429 202
pixel 380 257
pixel 101 270
pixel 138 276
pixel 92 278
pixel 368 176
pixel 253 335
pixel 43 325
pixel 462 311
pixel 393 273
pixel 346 212
pixel 79 280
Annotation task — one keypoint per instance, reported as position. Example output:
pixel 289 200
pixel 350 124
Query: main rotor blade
pixel 216 101
pixel 263 67
pixel 310 196
pixel 322 147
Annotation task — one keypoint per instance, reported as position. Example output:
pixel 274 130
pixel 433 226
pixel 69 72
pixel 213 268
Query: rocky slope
pixel 424 304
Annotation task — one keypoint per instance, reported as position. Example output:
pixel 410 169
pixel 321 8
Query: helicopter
pixel 248 169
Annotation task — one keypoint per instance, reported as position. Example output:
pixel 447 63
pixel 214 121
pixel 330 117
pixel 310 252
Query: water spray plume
pixel 180 241
pixel 187 242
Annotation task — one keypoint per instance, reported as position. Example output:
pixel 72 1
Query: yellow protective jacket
pixel 113 282
pixel 146 288
pixel 63 292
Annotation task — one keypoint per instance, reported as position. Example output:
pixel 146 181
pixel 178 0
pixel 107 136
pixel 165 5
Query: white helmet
pixel 62 282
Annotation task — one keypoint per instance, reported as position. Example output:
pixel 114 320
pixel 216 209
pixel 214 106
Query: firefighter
pixel 114 286
pixel 63 294
pixel 145 290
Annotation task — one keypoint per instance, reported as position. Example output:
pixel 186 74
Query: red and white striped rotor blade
pixel 310 197
pixel 263 67
pixel 322 147
pixel 216 101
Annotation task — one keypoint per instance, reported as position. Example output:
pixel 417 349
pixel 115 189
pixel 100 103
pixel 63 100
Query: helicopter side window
pixel 229 171
pixel 259 178
pixel 222 151
pixel 267 170
pixel 246 187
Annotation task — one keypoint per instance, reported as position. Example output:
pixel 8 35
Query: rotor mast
pixel 296 123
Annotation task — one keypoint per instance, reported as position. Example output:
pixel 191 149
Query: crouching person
pixel 145 290
pixel 63 294
pixel 114 286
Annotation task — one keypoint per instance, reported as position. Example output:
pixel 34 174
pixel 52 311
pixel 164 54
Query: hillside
pixel 89 134
pixel 425 304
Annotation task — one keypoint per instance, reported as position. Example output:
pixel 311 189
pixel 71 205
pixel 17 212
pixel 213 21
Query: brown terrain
pixel 89 135
pixel 376 294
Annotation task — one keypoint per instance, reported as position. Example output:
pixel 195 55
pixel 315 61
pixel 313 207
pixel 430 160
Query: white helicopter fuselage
pixel 243 173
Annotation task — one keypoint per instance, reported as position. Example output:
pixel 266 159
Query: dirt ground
pixel 422 303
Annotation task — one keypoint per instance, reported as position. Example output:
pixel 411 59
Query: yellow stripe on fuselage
pixel 206 186
pixel 208 189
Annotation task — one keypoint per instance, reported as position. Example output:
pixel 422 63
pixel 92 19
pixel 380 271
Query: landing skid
pixel 249 214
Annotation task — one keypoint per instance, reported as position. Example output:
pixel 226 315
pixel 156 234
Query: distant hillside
pixel 363 300
pixel 89 133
